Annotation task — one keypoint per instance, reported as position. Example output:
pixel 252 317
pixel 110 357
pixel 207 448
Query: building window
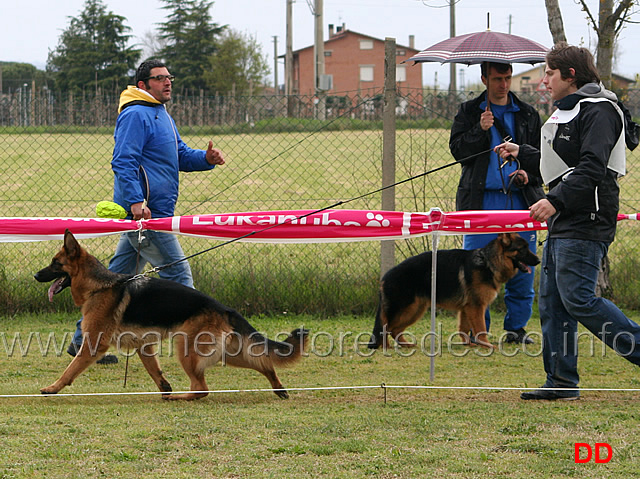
pixel 401 53
pixel 328 53
pixel 366 44
pixel 401 73
pixel 366 73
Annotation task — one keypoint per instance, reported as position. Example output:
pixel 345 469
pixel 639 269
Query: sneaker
pixel 106 359
pixel 518 336
pixel 550 395
pixel 73 349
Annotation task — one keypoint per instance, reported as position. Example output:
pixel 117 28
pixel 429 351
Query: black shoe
pixel 550 395
pixel 106 359
pixel 518 336
pixel 73 349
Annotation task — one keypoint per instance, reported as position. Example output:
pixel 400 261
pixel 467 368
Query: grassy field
pixel 334 425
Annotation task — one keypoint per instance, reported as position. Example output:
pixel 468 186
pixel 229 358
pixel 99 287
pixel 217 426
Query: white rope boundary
pixel 327 388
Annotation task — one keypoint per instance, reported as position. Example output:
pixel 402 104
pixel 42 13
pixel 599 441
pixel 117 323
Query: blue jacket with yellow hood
pixel 148 155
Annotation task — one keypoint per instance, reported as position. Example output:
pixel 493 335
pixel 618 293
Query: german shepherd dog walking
pixel 137 311
pixel 467 282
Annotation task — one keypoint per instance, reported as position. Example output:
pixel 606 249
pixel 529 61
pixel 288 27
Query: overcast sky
pixel 30 29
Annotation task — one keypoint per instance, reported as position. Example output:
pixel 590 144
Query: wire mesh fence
pixel 282 153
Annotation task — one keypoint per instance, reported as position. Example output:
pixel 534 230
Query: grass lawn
pixel 332 426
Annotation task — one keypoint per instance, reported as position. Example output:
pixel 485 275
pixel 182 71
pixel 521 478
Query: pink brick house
pixel 356 64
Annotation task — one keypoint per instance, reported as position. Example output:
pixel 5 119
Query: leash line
pixel 156 269
pixel 320 210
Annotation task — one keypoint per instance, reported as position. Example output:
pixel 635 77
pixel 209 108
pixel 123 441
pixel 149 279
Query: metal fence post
pixel 387 248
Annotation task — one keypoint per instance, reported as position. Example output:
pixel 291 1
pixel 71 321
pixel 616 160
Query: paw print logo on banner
pixel 377 220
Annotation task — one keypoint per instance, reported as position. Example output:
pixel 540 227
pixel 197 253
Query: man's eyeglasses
pixel 161 78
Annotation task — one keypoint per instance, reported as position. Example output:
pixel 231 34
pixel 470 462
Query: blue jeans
pixel 518 291
pixel 157 249
pixel 567 296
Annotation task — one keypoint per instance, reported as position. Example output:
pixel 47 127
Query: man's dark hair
pixel 499 67
pixel 564 56
pixel 144 70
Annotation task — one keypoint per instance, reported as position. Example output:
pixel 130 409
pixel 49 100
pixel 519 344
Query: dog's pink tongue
pixel 51 292
pixel 54 288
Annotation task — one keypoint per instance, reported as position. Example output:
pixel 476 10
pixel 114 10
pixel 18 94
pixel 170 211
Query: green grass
pixel 334 433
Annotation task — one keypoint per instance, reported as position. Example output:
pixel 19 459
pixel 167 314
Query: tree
pixel 238 65
pixel 613 16
pixel 191 38
pixel 92 52
pixel 14 75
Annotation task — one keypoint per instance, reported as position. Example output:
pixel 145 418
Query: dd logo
pixel 589 454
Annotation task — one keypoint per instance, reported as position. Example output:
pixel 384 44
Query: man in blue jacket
pixel 147 158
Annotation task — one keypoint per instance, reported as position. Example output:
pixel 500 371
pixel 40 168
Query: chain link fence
pixel 282 153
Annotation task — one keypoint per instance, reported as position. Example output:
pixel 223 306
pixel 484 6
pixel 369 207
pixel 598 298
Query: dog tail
pixel 376 336
pixel 284 353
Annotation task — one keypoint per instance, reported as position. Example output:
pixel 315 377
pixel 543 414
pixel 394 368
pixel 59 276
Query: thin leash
pixel 339 203
pixel 507 188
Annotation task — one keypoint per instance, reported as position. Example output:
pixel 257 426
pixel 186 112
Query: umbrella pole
pixel 488 108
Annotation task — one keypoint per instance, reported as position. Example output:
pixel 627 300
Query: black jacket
pixel 587 200
pixel 467 139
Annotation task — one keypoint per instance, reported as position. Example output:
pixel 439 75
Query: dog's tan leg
pixel 270 373
pixel 190 362
pixel 92 349
pixel 152 365
pixel 464 329
pixel 263 365
pixel 473 317
pixel 410 315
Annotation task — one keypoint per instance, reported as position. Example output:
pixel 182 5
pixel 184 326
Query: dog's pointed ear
pixel 505 239
pixel 71 245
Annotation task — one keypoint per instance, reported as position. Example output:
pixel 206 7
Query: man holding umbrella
pixel 489 183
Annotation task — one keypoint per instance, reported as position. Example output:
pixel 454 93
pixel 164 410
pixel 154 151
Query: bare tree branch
pixel 590 17
pixel 623 6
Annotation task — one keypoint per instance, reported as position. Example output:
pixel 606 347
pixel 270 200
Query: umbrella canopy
pixel 481 47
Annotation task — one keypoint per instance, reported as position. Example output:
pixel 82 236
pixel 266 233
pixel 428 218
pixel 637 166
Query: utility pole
pixel 319 57
pixel 275 64
pixel 288 59
pixel 319 42
pixel 452 33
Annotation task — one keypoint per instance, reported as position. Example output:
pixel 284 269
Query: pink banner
pixel 296 226
pixel 39 229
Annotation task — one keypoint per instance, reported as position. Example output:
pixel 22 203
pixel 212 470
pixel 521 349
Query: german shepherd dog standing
pixel 466 282
pixel 137 311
